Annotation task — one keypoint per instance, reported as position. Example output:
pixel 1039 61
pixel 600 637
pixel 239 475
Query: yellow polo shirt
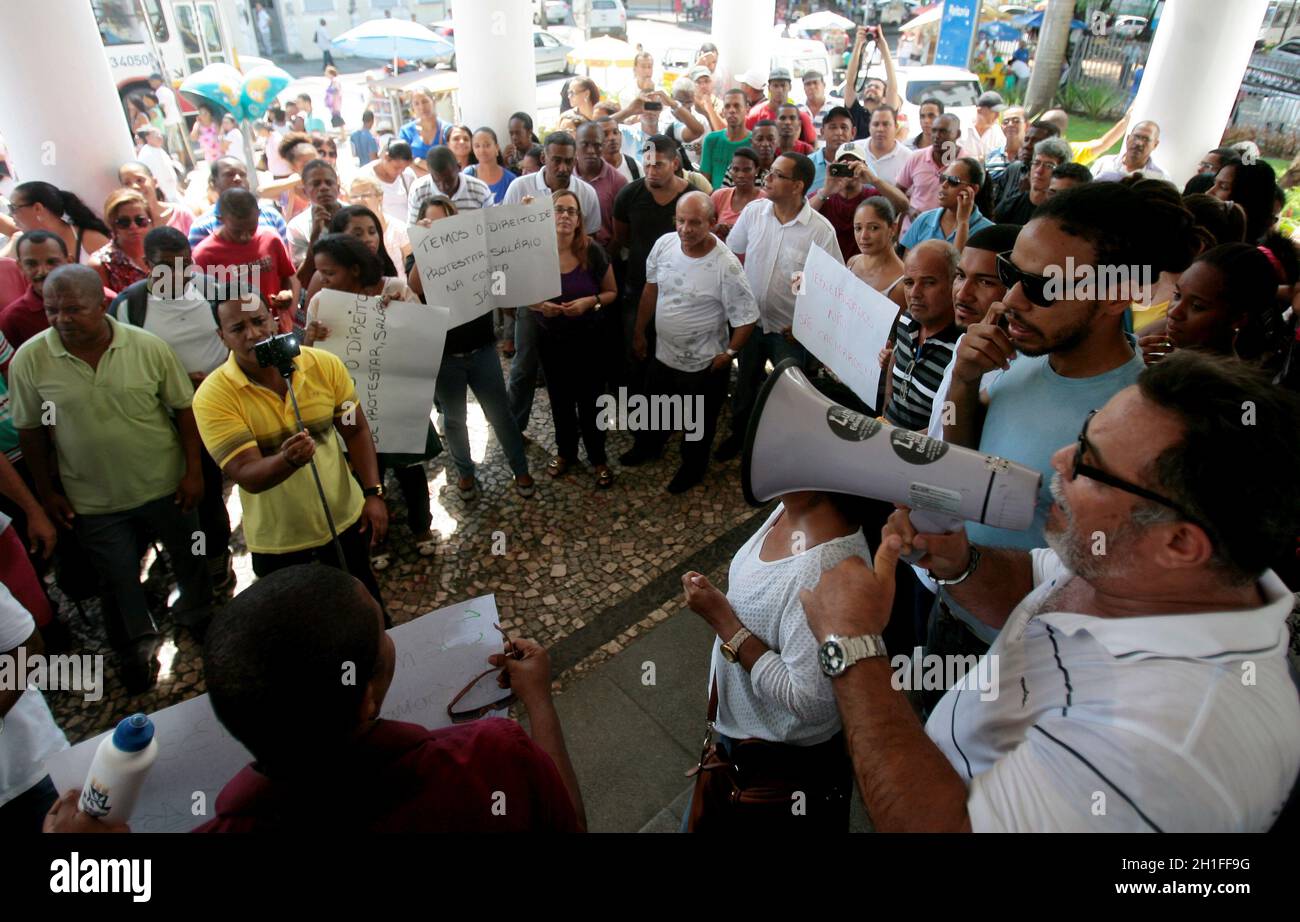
pixel 235 414
pixel 115 442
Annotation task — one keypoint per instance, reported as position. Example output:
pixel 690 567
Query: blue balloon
pixel 259 88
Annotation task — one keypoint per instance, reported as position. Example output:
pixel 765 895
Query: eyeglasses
pixel 1110 480
pixel 570 212
pixel 949 180
pixel 139 220
pixel 1033 286
pixel 14 208
pixel 779 175
pixel 482 711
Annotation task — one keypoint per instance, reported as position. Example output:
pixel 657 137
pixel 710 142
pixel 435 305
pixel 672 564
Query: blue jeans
pixel 753 358
pixel 25 814
pixel 523 368
pixel 113 541
pixel 481 372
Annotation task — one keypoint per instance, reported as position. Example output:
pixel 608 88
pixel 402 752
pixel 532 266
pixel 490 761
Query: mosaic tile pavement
pixel 571 553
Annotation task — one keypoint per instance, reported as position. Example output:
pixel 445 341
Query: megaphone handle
pixel 930 523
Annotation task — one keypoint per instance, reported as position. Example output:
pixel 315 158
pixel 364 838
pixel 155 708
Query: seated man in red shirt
pixel 244 256
pixel 324 759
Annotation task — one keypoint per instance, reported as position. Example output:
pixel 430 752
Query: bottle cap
pixel 133 733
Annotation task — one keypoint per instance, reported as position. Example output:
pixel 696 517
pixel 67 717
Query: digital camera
pixel 278 351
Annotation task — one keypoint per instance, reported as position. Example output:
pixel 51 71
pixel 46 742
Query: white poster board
pixel 437 654
pixel 844 322
pixel 393 354
pixel 504 256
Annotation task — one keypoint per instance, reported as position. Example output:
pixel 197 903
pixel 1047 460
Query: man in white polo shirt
pixel 557 174
pixel 774 235
pixel 695 290
pixel 1139 681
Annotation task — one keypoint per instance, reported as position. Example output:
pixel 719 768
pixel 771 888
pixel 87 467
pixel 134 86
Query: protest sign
pixel 393 354
pixel 844 322
pixel 436 655
pixel 492 257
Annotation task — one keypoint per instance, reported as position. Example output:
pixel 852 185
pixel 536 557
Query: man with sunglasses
pixel 957 216
pixel 1065 351
pixel 1142 680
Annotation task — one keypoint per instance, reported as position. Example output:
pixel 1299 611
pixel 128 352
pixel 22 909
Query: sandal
pixel 525 489
pixel 427 548
pixel 558 466
pixel 381 560
pixel 604 477
pixel 468 488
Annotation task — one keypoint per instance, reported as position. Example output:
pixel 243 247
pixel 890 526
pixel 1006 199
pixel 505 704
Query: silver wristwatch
pixel 839 653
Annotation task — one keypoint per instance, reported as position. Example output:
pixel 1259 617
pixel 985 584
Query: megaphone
pixel 799 440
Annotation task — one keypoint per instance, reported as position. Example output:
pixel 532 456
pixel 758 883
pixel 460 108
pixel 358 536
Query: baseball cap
pixel 851 153
pixel 698 71
pixel 779 73
pixel 812 75
pixel 990 100
pixel 754 77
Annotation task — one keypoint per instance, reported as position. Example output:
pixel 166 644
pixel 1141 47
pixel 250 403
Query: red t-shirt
pixel 763 110
pixel 484 776
pixel 839 211
pixel 12 281
pixel 799 148
pixel 265 252
pixel 25 317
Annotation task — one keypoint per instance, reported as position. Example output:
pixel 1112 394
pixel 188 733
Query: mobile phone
pixel 654 106
pixel 840 169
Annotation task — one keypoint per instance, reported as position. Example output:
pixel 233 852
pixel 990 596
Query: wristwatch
pixel 732 352
pixel 731 649
pixel 839 653
pixel 376 490
pixel 970 568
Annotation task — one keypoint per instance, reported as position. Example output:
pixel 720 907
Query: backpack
pixel 136 297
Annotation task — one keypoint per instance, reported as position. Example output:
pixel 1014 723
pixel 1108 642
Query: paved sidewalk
pixel 632 741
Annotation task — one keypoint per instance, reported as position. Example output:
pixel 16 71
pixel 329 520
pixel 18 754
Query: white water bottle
pixel 118 770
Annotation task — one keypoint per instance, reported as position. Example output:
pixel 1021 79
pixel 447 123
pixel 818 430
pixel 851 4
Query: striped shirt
pixel 471 193
pixel 918 371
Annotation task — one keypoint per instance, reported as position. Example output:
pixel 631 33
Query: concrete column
pixel 495 60
pixel 61 118
pixel 1197 60
pixel 742 30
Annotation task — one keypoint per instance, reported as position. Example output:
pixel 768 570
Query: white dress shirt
pixel 774 252
pixel 534 184
pixel 1174 723
pixel 885 167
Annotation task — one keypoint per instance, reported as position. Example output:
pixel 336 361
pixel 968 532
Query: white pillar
pixel 1192 75
pixel 495 60
pixel 61 118
pixel 743 32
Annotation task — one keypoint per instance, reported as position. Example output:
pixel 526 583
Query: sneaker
pixel 525 485
pixel 730 447
pixel 140 665
pixel 684 479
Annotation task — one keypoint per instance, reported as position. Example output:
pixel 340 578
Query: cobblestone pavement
pixel 574 557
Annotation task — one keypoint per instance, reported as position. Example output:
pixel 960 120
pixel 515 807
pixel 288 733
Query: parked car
pixel 608 17
pixel 556 11
pixel 1129 26
pixel 1015 9
pixel 550 54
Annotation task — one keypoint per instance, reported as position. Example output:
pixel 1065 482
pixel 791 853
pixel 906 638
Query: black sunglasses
pixel 949 180
pixel 140 220
pixel 1110 480
pixel 1034 286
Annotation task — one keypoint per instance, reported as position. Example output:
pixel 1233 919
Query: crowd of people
pixel 683 221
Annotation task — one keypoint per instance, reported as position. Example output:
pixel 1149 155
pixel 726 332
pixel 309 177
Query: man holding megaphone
pixel 1144 682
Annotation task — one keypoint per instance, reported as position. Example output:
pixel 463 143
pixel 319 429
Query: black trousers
pixel 356 554
pixel 570 361
pixel 214 520
pixel 414 481
pixel 705 390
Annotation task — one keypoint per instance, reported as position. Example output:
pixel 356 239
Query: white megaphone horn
pixel 800 440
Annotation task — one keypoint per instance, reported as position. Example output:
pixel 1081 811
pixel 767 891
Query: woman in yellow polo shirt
pixel 246 419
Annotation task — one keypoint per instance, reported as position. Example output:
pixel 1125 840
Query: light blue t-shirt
pixel 1032 413
pixel 927 227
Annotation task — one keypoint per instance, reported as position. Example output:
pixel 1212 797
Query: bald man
pixel 925 335
pixel 125 467
pixel 1136 157
pixel 695 288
